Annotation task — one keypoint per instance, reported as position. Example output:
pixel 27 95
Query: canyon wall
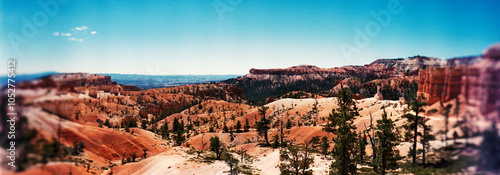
pixel 82 79
pixel 477 84
pixel 440 83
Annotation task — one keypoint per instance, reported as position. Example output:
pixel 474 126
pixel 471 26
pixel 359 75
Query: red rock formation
pixel 269 100
pixel 64 109
pixel 481 82
pixel 478 84
pixel 82 79
pixel 130 88
pixel 440 83
pixel 378 95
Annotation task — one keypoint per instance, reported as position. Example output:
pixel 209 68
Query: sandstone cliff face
pixel 63 108
pixel 481 82
pixel 82 79
pixel 380 67
pixel 440 83
pixel 478 84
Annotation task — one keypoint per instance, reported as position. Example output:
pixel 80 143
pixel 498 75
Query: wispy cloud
pixel 75 39
pixel 77 33
pixel 65 34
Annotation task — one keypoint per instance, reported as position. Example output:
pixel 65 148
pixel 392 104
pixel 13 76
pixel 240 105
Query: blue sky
pixel 232 36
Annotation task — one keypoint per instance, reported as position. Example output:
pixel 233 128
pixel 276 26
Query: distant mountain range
pixel 159 81
pixel 25 77
pixel 141 81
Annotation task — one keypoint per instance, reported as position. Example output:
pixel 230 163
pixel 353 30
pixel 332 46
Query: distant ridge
pixel 26 77
pixel 159 81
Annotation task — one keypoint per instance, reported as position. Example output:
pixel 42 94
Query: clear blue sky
pixel 232 36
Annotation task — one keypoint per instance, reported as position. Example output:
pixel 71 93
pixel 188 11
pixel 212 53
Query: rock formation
pixel 440 83
pixel 481 82
pixel 82 79
pixel 378 95
pixel 478 84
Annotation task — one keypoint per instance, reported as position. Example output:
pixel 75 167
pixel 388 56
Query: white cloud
pixel 75 35
pixel 75 39
pixel 65 34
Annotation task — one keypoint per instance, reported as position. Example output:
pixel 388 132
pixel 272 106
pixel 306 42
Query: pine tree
pixel 288 124
pixel 216 146
pixel 426 137
pixel 106 123
pixel 324 145
pixel 263 124
pixel 361 147
pixel 232 163
pixel 387 139
pixel 341 123
pixel 295 160
pixel 412 124
pixel 133 156
pixel 178 129
pixel 247 126
pixel 238 126
pixel 225 128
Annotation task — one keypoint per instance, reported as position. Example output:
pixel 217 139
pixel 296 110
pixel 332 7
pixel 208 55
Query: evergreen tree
pixel 412 124
pixel 295 160
pixel 247 126
pixel 145 153
pixel 263 125
pixel 225 128
pixel 387 139
pixel 426 137
pixel 341 123
pixel 216 146
pixel 232 163
pixel 361 147
pixel 324 145
pixel 133 156
pixel 178 129
pixel 288 124
pixel 238 126
pixel 106 123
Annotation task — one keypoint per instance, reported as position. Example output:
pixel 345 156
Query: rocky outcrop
pixel 378 95
pixel 440 83
pixel 478 84
pixel 82 79
pixel 380 67
pixel 61 108
pixel 269 100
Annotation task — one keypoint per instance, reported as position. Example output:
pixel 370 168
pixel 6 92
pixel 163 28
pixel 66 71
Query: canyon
pixel 121 129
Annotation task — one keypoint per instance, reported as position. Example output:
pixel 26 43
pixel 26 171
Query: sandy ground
pixel 176 161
